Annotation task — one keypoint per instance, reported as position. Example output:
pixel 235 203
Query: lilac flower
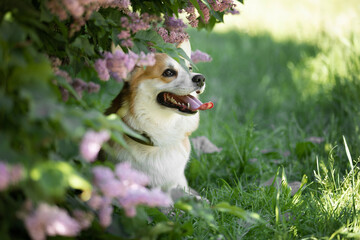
pixel 79 85
pixel 4 176
pixel 163 33
pixel 146 59
pixel 128 43
pixel 141 195
pixel 49 220
pixel 93 87
pixel 120 64
pixel 205 10
pixel 174 24
pixel 100 67
pixel 105 213
pixel 102 174
pixel 137 23
pixel 127 186
pixel 105 180
pixel 91 144
pixel 83 218
pixel 10 175
pixel 95 201
pixel 126 174
pixel 191 16
pixel 56 8
pixel 16 173
pixel 64 94
pixel 221 6
pixel 233 11
pixel 124 34
pixel 199 56
pixel 173 30
pixel 116 65
pixel 74 7
pixel 132 60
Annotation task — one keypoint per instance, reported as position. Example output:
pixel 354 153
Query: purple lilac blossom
pixel 174 24
pixel 173 30
pixel 221 6
pixel 83 218
pixel 191 16
pixel 79 86
pixel 119 64
pixel 125 34
pixel 127 174
pixel 10 175
pixel 4 176
pixel 127 186
pixel 140 195
pixel 205 10
pixel 199 56
pixel 91 144
pixel 105 213
pixel 128 43
pixel 100 67
pixel 49 220
pixel 93 87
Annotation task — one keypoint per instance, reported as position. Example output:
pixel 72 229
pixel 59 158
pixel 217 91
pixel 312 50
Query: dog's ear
pixel 185 45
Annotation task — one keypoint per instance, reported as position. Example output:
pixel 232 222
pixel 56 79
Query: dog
pixel 161 103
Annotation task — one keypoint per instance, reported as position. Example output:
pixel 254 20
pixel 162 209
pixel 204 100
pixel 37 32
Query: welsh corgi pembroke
pixel 161 103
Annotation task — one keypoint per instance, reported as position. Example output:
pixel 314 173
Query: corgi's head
pixel 163 89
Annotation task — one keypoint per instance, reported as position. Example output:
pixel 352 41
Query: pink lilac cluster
pixel 78 84
pixel 47 220
pixel 91 144
pixel 10 175
pixel 227 6
pixel 124 186
pixel 173 30
pixel 191 16
pixel 132 23
pixel 199 56
pixel 119 64
pixel 81 10
pixel 222 5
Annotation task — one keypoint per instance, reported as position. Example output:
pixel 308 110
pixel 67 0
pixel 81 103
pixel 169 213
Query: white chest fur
pixel 165 162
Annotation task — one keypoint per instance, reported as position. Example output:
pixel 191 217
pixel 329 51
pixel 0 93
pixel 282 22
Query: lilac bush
pixel 62 63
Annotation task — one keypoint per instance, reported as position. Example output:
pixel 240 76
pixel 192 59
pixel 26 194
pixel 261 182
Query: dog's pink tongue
pixel 196 104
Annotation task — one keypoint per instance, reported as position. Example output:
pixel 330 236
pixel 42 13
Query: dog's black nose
pixel 199 80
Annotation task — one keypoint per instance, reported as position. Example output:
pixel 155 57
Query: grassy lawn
pixel 285 80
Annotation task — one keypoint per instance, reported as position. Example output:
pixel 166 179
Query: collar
pixel 146 139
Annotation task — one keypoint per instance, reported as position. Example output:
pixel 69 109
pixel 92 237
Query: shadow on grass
pixel 266 87
pixel 268 103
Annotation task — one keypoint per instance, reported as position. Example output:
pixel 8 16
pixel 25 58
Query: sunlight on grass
pixel 296 19
pixel 328 25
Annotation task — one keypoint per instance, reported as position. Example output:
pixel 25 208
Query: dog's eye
pixel 190 68
pixel 169 73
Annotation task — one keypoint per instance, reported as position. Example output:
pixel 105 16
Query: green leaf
pixel 297 195
pixel 84 45
pixel 99 20
pixel 149 36
pixel 12 32
pixel 304 149
pixel 53 179
pixel 236 211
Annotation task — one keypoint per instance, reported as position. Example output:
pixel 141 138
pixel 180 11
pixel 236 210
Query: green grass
pixel 272 92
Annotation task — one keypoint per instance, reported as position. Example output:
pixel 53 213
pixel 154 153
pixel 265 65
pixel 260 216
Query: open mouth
pixel 186 104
